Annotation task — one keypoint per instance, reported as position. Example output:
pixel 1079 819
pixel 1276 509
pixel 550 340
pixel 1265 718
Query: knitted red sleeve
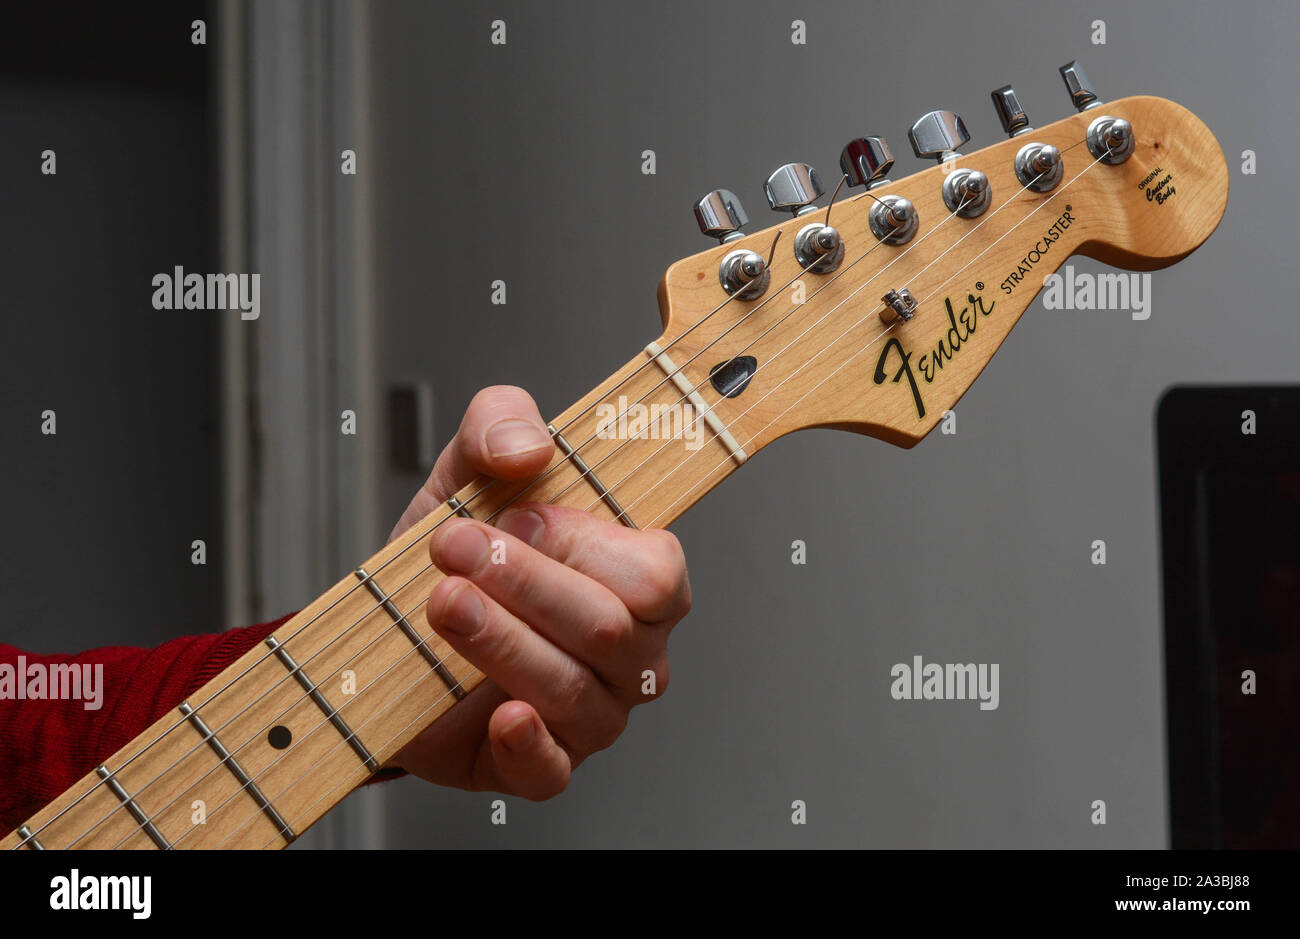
pixel 47 745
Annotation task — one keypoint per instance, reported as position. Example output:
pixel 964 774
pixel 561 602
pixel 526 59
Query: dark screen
pixel 1248 535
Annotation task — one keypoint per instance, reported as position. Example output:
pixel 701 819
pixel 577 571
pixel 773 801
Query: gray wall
pixel 512 162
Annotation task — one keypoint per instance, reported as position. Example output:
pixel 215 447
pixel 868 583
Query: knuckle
pixel 610 632
pixel 664 578
pixel 670 550
pixel 568 695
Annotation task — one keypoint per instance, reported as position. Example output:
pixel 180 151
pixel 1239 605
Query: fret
pixel 146 824
pixel 408 630
pixel 720 430
pixel 459 507
pixel 585 471
pixel 330 712
pixel 29 840
pixel 228 759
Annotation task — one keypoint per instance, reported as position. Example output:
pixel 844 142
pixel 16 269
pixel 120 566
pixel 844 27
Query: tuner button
pixel 866 161
pixel 938 134
pixel 721 215
pixel 794 187
pixel 1013 117
pixel 1082 94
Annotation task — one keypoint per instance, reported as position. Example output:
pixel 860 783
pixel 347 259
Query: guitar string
pixel 562 462
pixel 406 727
pixel 696 389
pixel 873 341
pixel 616 387
pixel 365 615
pixel 678 370
pixel 930 296
pixel 467 501
pixel 500 509
pixel 816 355
pixel 414 720
pixel 710 407
pixel 535 481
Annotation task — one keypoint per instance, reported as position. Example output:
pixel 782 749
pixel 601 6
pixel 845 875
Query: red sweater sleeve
pixel 47 745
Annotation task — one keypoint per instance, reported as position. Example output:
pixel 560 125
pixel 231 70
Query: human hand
pixel 564 630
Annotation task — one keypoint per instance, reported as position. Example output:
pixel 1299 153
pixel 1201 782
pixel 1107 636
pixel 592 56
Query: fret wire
pixel 236 770
pixel 371 684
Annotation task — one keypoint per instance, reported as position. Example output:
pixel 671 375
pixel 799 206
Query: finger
pixel 502 435
pixel 527 665
pixel 570 609
pixel 520 756
pixel 646 570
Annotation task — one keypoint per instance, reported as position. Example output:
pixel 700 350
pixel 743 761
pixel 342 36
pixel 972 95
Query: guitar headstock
pixel 890 335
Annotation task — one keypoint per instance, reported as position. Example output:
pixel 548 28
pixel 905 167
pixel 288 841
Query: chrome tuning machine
pixel 742 273
pixel 866 161
pixel 795 187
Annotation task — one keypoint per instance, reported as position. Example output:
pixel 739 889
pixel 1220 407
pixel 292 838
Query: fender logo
pixel 961 326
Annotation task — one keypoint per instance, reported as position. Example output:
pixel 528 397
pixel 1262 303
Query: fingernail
pixel 513 436
pixel 463 612
pixel 524 524
pixel 520 735
pixel 465 550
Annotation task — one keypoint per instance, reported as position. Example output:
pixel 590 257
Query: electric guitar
pixel 872 314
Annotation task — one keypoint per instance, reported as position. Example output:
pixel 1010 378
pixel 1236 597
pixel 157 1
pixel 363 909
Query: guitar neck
pixel 261 752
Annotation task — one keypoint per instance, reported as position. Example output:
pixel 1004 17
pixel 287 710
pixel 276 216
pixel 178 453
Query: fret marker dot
pixel 279 737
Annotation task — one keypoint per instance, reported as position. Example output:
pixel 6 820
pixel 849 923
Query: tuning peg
pixel 1013 117
pixel 938 134
pixel 1082 94
pixel 794 187
pixel 721 215
pixel 866 161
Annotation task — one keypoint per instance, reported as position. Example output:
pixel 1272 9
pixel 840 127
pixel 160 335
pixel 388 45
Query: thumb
pixel 502 436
